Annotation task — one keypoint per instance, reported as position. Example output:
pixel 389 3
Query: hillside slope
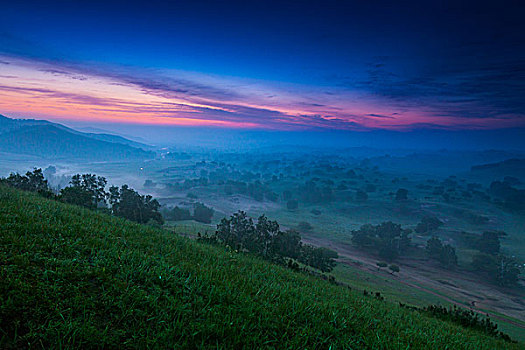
pixel 70 277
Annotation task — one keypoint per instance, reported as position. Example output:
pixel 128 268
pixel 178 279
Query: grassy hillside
pixel 74 278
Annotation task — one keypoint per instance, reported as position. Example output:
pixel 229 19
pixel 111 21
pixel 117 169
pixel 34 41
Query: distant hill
pixel 53 141
pixel 67 273
pixel 118 139
pixel 510 167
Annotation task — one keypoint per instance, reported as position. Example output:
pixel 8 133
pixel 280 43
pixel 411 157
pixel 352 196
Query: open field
pixel 104 281
pixel 420 282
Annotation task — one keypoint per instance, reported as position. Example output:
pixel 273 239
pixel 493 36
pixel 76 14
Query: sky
pixel 266 65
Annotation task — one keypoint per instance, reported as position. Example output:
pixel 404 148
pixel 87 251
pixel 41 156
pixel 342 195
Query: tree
pixel 33 181
pixel 179 214
pixel 402 194
pixel 287 244
pixel 128 203
pixel 388 239
pixel 428 224
pixel 499 268
pixel 287 195
pixel 202 213
pixel 292 204
pixel 265 233
pixel 444 253
pixel 393 268
pixel 267 240
pixel 77 195
pixel 489 242
pixel 235 230
pixel 361 196
pixel 149 184
pixel 320 258
pixel 86 183
pixel 434 247
pixel 304 226
pixel 381 264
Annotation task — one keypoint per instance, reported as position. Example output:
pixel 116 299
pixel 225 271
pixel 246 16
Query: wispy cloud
pixel 63 90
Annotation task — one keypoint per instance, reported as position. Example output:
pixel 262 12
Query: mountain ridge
pixel 54 141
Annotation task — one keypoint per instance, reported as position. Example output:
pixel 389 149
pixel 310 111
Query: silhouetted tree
pixel 428 224
pixel 202 213
pixel 128 203
pixel 387 238
pixel 292 204
pixel 444 253
pixel 33 181
pixel 401 194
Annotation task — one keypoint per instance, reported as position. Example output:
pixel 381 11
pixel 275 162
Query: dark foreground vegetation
pixel 72 277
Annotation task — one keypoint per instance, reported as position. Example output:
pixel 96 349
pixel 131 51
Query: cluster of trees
pixel 201 213
pixel 388 239
pixel 444 253
pixel 401 194
pixel 256 190
pixel 265 239
pixel 497 267
pixel 428 224
pixel 89 190
pixel 510 197
pixel 128 203
pixel 311 193
pixel 32 181
pixel 489 261
pixel 392 267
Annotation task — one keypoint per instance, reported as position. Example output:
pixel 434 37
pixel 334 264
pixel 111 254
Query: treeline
pixel 201 213
pixel 389 241
pixel 89 190
pixel 265 238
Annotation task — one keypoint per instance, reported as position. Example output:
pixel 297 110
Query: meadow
pixel 76 278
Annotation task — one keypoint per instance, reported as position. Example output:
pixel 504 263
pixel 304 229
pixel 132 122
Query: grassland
pixel 72 278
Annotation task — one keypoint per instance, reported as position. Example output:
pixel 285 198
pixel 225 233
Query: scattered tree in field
pixel 179 214
pixel 394 268
pixel 292 204
pixel 388 239
pixel 316 212
pixel 428 224
pixel 361 196
pixel 202 213
pixel 381 264
pixel 149 184
pixel 511 197
pixel 305 226
pixel 499 268
pixel 444 253
pixel 489 242
pixel 401 194
pixel 287 195
pixel 128 203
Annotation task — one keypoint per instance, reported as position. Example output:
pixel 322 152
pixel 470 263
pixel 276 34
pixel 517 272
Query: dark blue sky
pixel 281 64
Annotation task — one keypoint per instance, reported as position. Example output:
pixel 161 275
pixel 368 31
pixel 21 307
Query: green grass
pixel 71 278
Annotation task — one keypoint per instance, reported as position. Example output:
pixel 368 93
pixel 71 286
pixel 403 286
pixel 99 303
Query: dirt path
pixel 462 285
